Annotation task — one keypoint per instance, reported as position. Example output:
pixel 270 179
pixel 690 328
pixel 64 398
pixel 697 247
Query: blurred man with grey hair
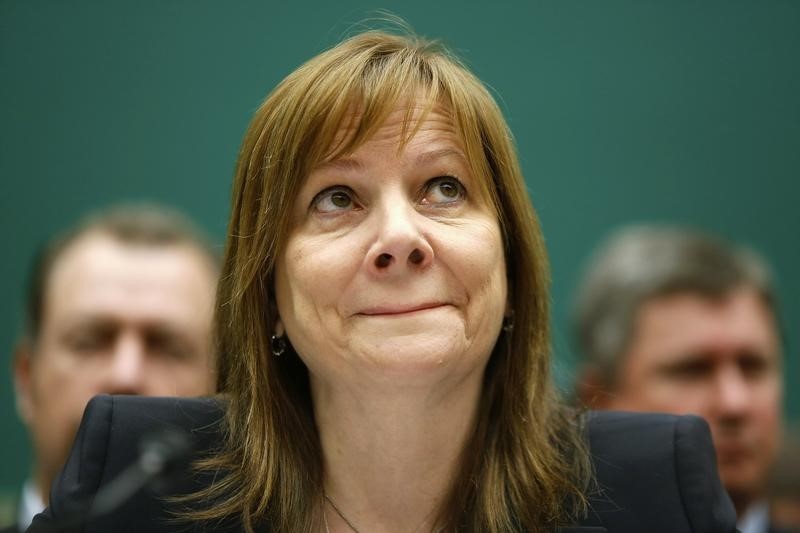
pixel 677 321
pixel 121 303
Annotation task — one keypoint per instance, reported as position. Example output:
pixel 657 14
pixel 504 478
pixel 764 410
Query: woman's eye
pixel 333 199
pixel 443 190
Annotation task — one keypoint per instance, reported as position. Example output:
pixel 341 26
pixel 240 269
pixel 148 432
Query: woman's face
pixel 394 270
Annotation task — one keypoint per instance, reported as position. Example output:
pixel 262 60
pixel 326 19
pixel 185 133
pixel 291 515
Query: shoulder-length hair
pixel 525 467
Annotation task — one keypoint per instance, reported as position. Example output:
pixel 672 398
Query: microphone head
pixel 165 453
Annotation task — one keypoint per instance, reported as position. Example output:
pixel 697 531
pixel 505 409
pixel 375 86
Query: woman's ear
pixel 509 311
pixel 277 328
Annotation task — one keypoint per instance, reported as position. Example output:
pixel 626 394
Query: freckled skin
pixel 394 278
pixel 117 319
pixel 718 358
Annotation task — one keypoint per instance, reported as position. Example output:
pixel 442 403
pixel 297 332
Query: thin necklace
pixel 346 521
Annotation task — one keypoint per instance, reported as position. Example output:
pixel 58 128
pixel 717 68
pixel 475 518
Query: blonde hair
pixel 525 467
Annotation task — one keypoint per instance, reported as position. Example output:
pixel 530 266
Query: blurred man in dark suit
pixel 784 486
pixel 120 304
pixel 676 321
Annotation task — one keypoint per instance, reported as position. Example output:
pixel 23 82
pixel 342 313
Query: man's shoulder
pixel 655 472
pixel 149 411
pixel 117 433
pixel 778 529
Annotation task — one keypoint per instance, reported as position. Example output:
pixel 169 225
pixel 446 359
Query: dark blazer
pixel 655 473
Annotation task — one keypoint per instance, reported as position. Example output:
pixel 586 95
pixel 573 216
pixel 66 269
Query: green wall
pixel 623 111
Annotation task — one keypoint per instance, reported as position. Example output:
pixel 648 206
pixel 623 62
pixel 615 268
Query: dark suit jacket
pixel 656 473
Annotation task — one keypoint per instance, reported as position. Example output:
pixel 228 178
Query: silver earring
pixel 278 345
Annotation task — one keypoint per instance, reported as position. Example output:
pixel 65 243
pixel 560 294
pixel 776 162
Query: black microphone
pixel 163 454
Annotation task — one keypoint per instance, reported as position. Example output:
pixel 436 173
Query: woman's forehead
pixel 400 125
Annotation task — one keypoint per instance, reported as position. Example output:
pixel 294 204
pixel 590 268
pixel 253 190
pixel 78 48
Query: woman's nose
pixel 400 243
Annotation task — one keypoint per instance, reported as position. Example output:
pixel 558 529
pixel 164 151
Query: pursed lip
pixel 390 310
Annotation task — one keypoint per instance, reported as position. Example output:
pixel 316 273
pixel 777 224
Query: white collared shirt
pixel 30 504
pixel 755 519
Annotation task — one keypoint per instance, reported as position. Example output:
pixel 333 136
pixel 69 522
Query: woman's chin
pixel 417 359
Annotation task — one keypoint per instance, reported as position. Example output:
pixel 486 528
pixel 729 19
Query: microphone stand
pixel 161 455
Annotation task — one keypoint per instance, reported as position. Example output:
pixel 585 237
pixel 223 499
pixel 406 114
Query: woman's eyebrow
pixel 434 155
pixel 341 164
pixel 345 164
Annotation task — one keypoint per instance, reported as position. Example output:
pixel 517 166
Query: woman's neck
pixel 391 455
